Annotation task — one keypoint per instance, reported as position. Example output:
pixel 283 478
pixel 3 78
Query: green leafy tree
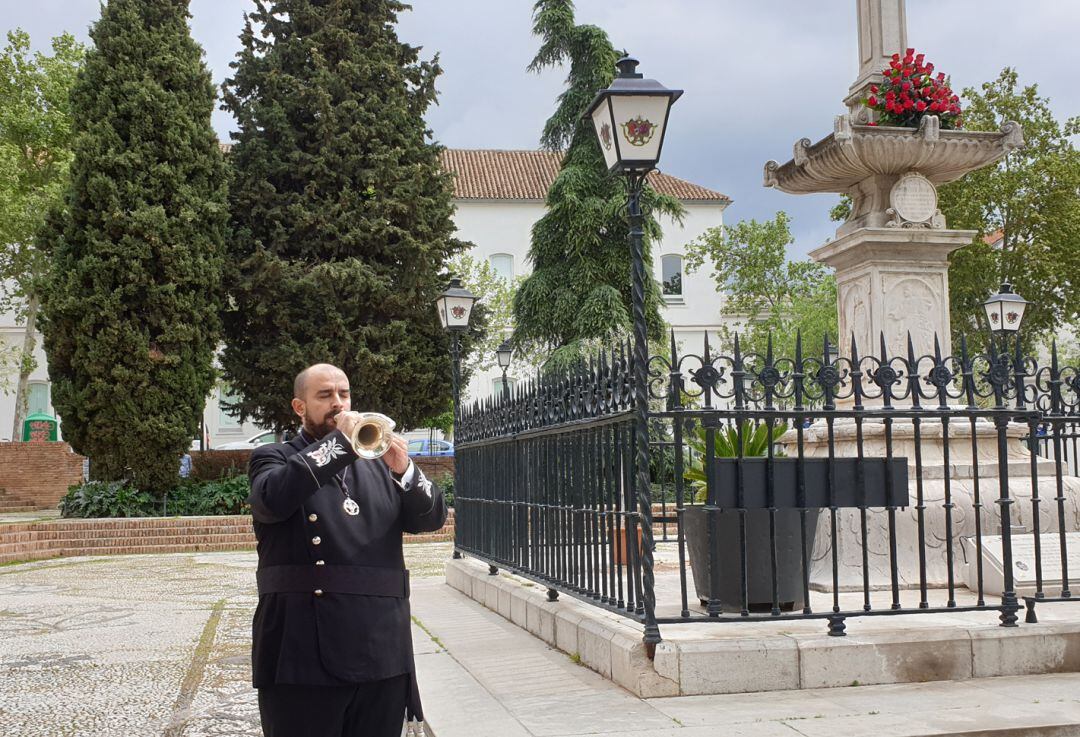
pixel 775 297
pixel 341 214
pixel 578 296
pixel 131 310
pixel 35 154
pixel 1033 197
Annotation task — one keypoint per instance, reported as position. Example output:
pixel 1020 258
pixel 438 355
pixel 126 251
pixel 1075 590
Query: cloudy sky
pixel 758 74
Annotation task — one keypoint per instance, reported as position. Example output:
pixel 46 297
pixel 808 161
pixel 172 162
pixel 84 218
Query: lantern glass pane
pixel 440 307
pixel 639 123
pixel 1012 314
pixel 457 312
pixel 602 122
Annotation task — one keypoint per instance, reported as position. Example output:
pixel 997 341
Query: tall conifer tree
pixel 341 213
pixel 131 309
pixel 578 295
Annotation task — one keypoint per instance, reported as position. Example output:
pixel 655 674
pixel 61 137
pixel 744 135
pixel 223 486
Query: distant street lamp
pixel 504 353
pixel 454 307
pixel 630 118
pixel 1005 311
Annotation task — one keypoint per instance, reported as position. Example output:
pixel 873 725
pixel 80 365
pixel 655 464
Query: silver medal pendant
pixel 351 507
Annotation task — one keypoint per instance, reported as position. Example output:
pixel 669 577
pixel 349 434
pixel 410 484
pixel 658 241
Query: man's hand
pixel 396 457
pixel 346 421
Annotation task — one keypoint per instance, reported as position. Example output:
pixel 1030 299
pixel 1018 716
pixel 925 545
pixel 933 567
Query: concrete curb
pixel 767 658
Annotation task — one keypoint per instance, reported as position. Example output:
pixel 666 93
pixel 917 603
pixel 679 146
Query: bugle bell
pixel 371 436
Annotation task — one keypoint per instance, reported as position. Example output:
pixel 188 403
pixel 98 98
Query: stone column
pixel 882 33
pixel 893 282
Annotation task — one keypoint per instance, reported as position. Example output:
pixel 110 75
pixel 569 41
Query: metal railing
pixel 800 487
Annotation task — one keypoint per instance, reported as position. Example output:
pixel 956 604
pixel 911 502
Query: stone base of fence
pixel 65 538
pixel 737 657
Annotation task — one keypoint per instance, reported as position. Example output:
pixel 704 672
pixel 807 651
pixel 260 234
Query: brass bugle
pixel 372 435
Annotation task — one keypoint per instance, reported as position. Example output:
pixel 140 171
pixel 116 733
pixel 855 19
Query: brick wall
pixel 435 466
pixel 37 475
pixel 37 540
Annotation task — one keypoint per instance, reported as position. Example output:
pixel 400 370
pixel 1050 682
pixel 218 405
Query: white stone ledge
pixel 748 657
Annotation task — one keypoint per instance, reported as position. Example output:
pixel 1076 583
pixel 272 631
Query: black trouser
pixel 375 709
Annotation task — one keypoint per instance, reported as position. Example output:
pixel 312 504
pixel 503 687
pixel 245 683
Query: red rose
pixel 896 57
pixel 905 86
pixel 871 123
pixel 954 98
pixel 907 71
pixel 920 106
pixel 874 89
pixel 910 52
pixel 908 104
pixel 941 76
pixel 919 57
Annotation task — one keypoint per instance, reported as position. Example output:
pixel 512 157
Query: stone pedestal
pixel 966 472
pixel 893 282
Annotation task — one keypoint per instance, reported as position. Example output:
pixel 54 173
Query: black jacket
pixel 306 630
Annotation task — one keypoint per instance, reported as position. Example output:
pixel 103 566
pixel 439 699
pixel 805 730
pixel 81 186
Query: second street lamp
pixel 504 353
pixel 454 307
pixel 630 118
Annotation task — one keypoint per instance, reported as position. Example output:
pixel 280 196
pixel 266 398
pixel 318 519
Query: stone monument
pixel 891 262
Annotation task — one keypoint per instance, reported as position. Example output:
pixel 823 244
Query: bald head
pixel 320 392
pixel 318 373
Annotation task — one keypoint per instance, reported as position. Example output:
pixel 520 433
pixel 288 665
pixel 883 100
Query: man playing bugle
pixel 331 644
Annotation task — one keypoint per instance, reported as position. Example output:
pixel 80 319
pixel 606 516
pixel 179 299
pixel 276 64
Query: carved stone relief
pixel 855 314
pixel 912 304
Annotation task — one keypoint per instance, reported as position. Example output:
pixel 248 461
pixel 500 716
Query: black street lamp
pixel 504 353
pixel 630 118
pixel 454 307
pixel 1005 311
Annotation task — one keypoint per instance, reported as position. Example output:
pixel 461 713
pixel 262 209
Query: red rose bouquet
pixel 911 90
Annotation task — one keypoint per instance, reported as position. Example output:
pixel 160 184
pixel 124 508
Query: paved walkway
pixel 158 646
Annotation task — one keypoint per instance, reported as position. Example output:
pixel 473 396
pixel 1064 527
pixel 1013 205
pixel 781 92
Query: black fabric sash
pixel 337 579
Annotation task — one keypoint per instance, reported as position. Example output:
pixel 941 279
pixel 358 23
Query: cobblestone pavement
pixel 136 645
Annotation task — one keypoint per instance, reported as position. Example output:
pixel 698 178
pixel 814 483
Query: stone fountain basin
pixel 854 153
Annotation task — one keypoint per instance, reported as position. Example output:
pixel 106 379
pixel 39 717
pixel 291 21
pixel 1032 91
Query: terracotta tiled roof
pixel 484 174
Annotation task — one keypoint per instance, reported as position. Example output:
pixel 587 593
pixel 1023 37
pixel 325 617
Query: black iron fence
pixel 784 487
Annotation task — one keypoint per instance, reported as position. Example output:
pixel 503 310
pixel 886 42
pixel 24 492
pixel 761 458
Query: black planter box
pixel 758 563
pixel 852 482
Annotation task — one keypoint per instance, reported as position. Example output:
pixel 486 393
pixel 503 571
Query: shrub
pixel 95 499
pixel 197 498
pixel 446 483
pixel 107 499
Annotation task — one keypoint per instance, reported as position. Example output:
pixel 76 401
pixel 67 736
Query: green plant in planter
pixel 756 439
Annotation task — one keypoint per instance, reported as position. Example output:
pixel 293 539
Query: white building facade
pixel 498 195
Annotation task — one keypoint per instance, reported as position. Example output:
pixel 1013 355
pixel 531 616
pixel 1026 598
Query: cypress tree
pixel 579 295
pixel 341 213
pixel 132 302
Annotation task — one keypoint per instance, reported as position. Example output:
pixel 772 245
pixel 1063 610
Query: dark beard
pixel 321 429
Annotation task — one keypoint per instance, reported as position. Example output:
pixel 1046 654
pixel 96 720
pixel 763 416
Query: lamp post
pixel 454 307
pixel 504 353
pixel 630 118
pixel 1005 311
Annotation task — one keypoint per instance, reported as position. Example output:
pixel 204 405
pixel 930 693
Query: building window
pixel 502 264
pixel 225 420
pixel 38 398
pixel 671 267
pixel 497 386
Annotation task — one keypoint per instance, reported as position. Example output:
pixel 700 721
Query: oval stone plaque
pixel 914 198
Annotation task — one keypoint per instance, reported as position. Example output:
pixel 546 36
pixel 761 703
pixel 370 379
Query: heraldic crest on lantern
pixel 638 131
pixel 605 136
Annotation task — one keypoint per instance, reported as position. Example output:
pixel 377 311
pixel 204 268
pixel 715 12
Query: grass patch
pixel 429 633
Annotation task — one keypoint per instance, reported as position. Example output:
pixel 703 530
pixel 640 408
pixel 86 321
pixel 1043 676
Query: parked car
pixel 253 442
pixel 424 447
